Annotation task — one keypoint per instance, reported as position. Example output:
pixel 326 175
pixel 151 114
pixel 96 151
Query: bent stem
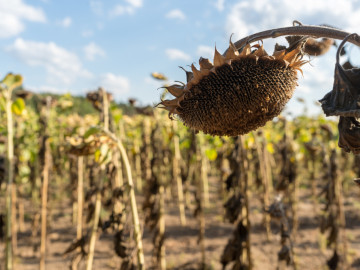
pixel 45 187
pixel 135 216
pixel 299 30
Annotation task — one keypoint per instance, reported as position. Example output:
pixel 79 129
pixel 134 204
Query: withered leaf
pixel 333 261
pixel 357 181
pixel 233 207
pixel 348 65
pixel 349 134
pixel 344 99
pixel 75 244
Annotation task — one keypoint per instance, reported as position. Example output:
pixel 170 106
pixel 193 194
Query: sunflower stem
pixel 130 184
pixel 299 30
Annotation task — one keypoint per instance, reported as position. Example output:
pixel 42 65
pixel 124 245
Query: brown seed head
pixel 238 93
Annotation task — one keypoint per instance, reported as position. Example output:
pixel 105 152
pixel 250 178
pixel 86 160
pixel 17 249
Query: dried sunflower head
pixel 96 98
pixel 312 46
pixel 238 92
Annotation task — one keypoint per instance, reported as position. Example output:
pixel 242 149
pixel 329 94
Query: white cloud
pixel 205 52
pixel 219 5
pixel 62 66
pixel 66 22
pixel 116 84
pixel 135 3
pixel 13 13
pixel 175 54
pixel 247 17
pixel 48 89
pixel 153 83
pixel 119 10
pixel 317 78
pixel 92 50
pixel 128 8
pixel 87 33
pixel 175 14
pixel 97 7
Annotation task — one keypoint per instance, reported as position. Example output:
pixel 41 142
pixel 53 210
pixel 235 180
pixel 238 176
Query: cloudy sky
pixel 76 46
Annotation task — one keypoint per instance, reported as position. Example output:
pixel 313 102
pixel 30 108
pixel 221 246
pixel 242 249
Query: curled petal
pixel 231 52
pixel 260 51
pixel 189 75
pixel 173 102
pixel 246 50
pixel 205 64
pixel 292 56
pixel 279 54
pixel 176 90
pixel 219 60
pixel 197 73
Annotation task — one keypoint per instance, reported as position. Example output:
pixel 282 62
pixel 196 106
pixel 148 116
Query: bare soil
pixel 182 249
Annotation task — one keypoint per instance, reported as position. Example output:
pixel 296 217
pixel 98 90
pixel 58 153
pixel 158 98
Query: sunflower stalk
pixel 299 30
pixel 119 207
pixel 244 164
pixel 200 198
pixel 10 176
pixel 105 121
pixel 176 174
pixel 147 154
pixel 340 243
pixel 266 179
pixel 135 215
pixel 162 259
pixel 45 185
pixel 204 171
pixel 80 196
pixel 137 164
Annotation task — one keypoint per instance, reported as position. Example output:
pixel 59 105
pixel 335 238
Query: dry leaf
pixel 344 99
pixel 349 134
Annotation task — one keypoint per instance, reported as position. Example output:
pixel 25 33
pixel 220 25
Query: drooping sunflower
pixel 238 92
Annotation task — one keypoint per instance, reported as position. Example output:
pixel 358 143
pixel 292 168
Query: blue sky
pixel 77 46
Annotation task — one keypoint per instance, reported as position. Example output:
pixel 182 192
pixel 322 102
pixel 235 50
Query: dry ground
pixel 181 242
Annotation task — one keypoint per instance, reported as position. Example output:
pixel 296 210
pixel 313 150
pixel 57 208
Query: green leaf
pixel 18 106
pixel 185 144
pixel 12 81
pixel 2 102
pixel 211 154
pixel 91 131
pixel 270 148
pixel 97 155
